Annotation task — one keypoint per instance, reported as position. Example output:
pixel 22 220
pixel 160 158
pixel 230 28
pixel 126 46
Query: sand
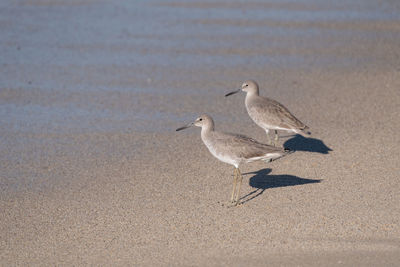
pixel 93 173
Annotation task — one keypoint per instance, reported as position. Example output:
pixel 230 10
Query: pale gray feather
pixel 269 111
pixel 241 146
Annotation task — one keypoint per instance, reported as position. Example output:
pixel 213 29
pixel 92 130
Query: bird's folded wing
pixel 277 114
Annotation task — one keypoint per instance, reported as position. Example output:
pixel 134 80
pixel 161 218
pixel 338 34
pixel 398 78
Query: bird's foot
pixel 238 203
pixel 228 204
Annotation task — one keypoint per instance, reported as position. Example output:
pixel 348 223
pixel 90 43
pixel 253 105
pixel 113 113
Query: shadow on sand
pixel 262 181
pixel 300 143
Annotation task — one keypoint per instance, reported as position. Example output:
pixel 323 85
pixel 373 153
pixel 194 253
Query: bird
pixel 234 149
pixel 268 113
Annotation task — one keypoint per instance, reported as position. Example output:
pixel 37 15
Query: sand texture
pixel 92 171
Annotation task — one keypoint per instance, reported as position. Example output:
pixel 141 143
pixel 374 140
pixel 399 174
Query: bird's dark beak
pixel 185 127
pixel 234 92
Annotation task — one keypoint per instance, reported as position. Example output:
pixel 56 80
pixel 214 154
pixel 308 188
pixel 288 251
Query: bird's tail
pixel 271 156
pixel 304 131
pixel 283 153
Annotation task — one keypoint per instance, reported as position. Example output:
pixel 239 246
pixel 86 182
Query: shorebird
pixel 268 113
pixel 234 149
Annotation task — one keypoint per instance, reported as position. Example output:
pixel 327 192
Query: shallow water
pixel 158 48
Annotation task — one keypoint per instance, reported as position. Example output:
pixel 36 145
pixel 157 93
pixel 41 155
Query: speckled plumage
pixel 234 149
pixel 268 113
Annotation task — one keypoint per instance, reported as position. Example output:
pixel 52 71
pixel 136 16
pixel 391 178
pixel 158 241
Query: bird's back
pixel 268 112
pixel 239 148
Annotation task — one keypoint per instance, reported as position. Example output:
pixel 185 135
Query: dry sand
pixel 93 172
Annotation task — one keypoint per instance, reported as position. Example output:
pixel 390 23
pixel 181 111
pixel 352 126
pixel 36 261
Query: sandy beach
pixel 92 171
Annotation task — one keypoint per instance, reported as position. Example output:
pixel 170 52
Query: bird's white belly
pixel 266 125
pixel 222 156
pixel 271 127
pixel 260 121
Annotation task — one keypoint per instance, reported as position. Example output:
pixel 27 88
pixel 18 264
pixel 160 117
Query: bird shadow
pixel 300 143
pixel 262 181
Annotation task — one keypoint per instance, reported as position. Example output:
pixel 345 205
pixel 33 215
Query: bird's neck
pixel 207 129
pixel 251 95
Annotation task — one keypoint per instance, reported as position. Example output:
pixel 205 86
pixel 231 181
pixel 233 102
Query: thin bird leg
pixel 269 141
pixel 240 184
pixel 276 138
pixel 234 185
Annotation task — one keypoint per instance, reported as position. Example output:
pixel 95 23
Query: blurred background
pixel 130 64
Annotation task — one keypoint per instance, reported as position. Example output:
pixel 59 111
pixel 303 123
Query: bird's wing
pixel 243 146
pixel 277 113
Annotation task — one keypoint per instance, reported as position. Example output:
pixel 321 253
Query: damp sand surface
pixel 92 171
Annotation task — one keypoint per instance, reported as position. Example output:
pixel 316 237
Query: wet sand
pixel 92 170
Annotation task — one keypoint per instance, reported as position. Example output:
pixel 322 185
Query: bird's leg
pixel 269 141
pixel 276 138
pixel 234 186
pixel 240 184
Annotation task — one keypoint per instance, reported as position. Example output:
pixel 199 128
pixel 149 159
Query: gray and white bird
pixel 268 113
pixel 234 149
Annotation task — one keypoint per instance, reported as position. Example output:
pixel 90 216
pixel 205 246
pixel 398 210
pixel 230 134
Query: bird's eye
pixel 246 85
pixel 200 119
